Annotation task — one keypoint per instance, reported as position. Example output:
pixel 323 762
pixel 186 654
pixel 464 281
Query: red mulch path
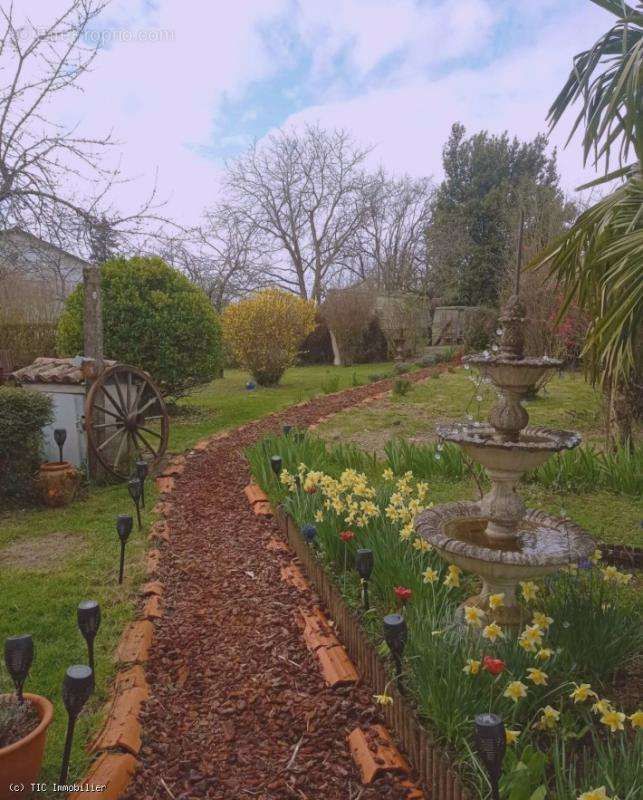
pixel 234 689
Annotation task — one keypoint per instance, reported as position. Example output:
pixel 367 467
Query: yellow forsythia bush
pixel 264 332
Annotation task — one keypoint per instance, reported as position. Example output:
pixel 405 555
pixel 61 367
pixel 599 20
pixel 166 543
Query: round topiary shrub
pixel 264 332
pixel 23 415
pixel 153 318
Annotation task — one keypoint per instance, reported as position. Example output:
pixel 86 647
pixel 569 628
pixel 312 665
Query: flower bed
pixel 563 684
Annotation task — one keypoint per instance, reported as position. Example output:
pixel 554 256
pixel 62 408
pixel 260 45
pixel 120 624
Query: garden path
pixel 239 708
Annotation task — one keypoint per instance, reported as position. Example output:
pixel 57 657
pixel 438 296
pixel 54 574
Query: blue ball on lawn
pixel 251 385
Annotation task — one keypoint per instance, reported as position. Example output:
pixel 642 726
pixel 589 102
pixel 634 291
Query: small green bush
pixel 23 414
pixel 153 318
pixel 401 387
pixel 330 385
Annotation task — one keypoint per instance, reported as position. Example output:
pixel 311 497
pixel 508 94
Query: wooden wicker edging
pixel 428 758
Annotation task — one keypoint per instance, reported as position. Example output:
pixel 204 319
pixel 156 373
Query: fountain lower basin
pixel 542 544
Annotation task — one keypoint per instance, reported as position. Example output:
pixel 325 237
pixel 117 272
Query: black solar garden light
pixel 78 684
pixel 124 524
pixel 491 743
pixel 286 429
pixel 18 657
pixel 60 437
pixel 88 615
pixel 135 489
pixel 142 469
pixel 276 463
pixel 364 567
pixel 309 532
pixel 395 634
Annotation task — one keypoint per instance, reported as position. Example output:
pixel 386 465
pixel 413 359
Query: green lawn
pixel 43 579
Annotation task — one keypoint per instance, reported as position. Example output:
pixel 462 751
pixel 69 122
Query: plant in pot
pixel 24 719
pixel 58 480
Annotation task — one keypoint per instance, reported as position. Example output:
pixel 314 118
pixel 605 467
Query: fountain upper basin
pixel 513 374
pixel 534 446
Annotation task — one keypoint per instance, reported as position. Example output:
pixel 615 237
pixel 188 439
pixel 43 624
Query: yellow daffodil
pixel 473 616
pixel 406 533
pixel 422 490
pixel 388 474
pixel 319 516
pixel 636 719
pixel 422 545
pixel 383 699
pixel 602 706
pixel 531 638
pixel 614 720
pixel 544 654
pixel 472 667
pixel 548 719
pixel 515 690
pixel 430 575
pixel 511 737
pixel 452 578
pixel 537 676
pixel 596 557
pixel 529 590
pixel 582 692
pixel 542 620
pixel 493 632
pixel 496 600
pixel 595 794
pixel 612 575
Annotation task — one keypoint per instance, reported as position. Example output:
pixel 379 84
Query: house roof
pixel 16 231
pixel 53 370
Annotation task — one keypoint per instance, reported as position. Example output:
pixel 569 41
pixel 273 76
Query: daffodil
pixel 537 676
pixel 531 638
pixel 493 632
pixel 548 718
pixel 542 620
pixel 472 667
pixel 388 474
pixel 602 706
pixel 406 532
pixel 496 600
pixel 582 691
pixel 515 690
pixel 595 794
pixel 319 516
pixel 511 737
pixel 422 490
pixel 544 654
pixel 529 590
pixel 596 557
pixel 614 720
pixel 636 719
pixel 422 545
pixel 452 578
pixel 473 616
pixel 430 575
pixel 383 699
pixel 612 575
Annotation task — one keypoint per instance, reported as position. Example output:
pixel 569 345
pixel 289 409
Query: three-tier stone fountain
pixel 498 538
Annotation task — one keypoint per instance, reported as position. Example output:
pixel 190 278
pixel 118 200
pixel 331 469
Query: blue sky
pixel 186 84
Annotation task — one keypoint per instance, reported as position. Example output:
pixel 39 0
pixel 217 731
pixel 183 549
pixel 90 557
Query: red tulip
pixel 493 665
pixel 402 593
pixel 311 490
pixel 346 536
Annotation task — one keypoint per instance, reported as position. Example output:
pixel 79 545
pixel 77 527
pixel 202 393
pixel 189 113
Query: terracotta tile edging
pixel 118 742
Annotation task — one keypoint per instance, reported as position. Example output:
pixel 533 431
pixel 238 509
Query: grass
pixel 42 600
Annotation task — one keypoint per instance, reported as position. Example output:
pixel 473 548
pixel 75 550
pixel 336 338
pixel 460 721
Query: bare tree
pixel 389 248
pixel 304 193
pixel 53 182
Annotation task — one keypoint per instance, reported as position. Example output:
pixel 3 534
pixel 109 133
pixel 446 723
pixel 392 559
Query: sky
pixel 186 84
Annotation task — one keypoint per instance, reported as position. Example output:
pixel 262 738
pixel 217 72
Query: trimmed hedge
pixel 153 318
pixel 26 341
pixel 23 414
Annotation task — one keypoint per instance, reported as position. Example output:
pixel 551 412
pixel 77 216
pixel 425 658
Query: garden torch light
pixel 142 468
pixel 286 429
pixel 395 634
pixel 364 567
pixel 78 684
pixel 135 489
pixel 124 525
pixel 88 615
pixel 60 437
pixel 18 656
pixel 490 743
pixel 276 464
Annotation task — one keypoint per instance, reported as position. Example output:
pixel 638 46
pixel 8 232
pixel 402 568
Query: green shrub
pixel 26 341
pixel 401 387
pixel 153 318
pixel 330 384
pixel 23 414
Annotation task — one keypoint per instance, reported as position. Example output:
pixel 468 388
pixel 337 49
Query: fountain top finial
pixel 512 315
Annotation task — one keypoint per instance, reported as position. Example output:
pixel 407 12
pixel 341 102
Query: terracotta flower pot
pixel 20 762
pixel 58 483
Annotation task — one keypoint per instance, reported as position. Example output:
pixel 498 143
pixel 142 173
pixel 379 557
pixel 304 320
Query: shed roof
pixel 53 370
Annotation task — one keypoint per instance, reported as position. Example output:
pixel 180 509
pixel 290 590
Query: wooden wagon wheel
pixel 125 419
